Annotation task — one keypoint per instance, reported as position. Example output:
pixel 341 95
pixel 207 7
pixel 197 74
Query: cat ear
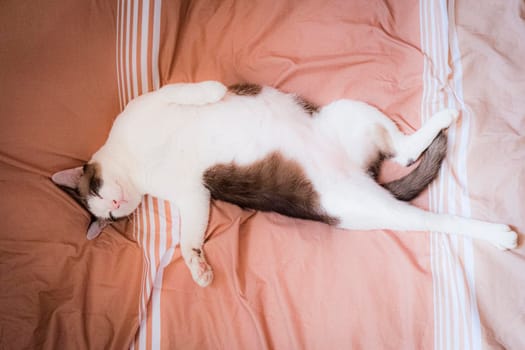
pixel 68 178
pixel 95 228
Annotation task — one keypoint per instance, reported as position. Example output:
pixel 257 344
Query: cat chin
pixel 100 208
pixel 126 210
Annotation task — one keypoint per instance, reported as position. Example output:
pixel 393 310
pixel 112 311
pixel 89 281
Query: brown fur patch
pixel 271 184
pixel 90 181
pixel 309 107
pixel 245 89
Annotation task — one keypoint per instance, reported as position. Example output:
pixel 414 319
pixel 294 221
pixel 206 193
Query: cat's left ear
pixel 69 177
pixel 95 228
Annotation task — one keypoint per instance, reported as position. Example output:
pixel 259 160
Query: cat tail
pixel 411 185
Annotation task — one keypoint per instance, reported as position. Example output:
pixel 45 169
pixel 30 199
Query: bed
pixel 68 68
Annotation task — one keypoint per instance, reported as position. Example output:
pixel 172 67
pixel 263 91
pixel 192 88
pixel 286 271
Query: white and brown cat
pixel 264 149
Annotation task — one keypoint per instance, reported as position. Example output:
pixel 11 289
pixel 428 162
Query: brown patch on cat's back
pixel 245 89
pixel 90 181
pixel 271 184
pixel 308 106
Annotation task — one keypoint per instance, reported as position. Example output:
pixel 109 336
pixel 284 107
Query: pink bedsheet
pixel 280 283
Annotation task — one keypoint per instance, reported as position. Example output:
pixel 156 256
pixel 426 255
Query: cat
pixel 264 149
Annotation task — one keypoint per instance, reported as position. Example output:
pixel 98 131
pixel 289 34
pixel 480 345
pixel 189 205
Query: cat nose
pixel 116 204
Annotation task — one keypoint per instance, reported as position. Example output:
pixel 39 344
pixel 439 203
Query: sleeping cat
pixel 264 149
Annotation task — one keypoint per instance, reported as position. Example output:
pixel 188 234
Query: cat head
pixel 106 196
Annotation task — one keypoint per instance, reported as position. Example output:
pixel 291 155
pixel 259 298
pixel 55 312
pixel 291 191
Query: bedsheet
pixel 66 71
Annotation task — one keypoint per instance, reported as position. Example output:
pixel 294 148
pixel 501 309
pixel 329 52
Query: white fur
pixel 163 142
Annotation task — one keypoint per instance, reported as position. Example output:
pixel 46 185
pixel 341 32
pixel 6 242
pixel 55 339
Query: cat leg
pixel 194 211
pixel 408 148
pixel 193 93
pixel 366 206
pixel 364 131
pixel 359 128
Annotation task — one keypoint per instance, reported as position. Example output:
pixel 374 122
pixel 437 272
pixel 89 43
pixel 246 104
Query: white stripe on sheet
pixel 118 57
pixel 155 296
pixel 143 46
pixel 156 222
pixel 462 175
pixel 456 319
pixel 155 44
pixel 145 280
pixel 134 75
pixel 126 52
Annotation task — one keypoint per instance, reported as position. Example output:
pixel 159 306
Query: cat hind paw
pixel 447 117
pixel 505 238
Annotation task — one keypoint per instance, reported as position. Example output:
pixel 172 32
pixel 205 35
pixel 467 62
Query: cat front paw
pixel 213 91
pixel 200 270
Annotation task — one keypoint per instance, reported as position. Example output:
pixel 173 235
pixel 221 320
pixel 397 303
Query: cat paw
pixel 193 94
pixel 447 117
pixel 214 91
pixel 504 238
pixel 200 270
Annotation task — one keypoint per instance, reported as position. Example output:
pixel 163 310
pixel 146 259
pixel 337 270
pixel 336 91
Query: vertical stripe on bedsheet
pixel 456 318
pixel 155 222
